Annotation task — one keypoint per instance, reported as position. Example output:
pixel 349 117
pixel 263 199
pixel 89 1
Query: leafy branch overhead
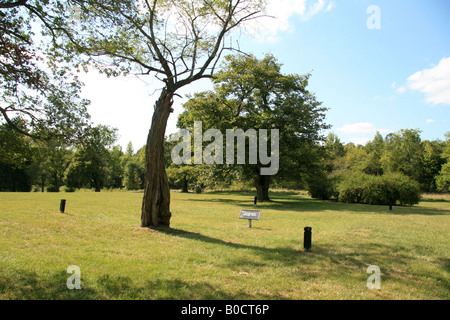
pixel 178 41
pixel 37 86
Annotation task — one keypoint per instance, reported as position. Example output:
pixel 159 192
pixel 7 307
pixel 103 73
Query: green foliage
pixel 252 93
pixel 15 149
pixel 90 167
pixel 321 186
pixel 403 153
pixel 39 88
pixel 16 154
pixel 431 163
pixel 388 189
pixel 443 178
pixel 133 168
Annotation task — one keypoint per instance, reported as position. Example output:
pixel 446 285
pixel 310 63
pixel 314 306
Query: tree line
pixel 98 163
pixel 394 169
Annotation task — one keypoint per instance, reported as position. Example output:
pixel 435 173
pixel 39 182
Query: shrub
pixel 408 189
pixel 388 189
pixel 321 186
pixel 351 187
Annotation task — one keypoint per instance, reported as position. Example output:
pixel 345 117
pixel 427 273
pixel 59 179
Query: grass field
pixel 210 254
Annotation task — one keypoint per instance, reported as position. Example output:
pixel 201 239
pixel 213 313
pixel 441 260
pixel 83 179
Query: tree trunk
pixel 42 183
pixel 97 185
pixel 262 187
pixel 185 185
pixel 156 201
pixel 56 182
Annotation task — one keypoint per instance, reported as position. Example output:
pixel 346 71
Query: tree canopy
pixel 254 94
pixel 37 84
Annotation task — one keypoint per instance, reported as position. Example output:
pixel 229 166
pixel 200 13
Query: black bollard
pixel 256 200
pixel 307 239
pixel 62 205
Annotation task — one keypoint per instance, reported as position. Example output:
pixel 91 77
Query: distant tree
pixel 375 150
pixel 403 153
pixel 51 159
pixel 431 164
pixel 443 178
pixel 115 168
pixel 334 152
pixel 90 164
pixel 16 154
pixel 376 146
pixel 134 168
pixel 356 158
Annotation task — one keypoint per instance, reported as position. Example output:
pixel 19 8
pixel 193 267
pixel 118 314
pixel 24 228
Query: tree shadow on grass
pixel 28 285
pixel 285 202
pixel 123 287
pixel 286 255
pixel 340 262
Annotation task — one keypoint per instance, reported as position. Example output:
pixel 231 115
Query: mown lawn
pixel 210 254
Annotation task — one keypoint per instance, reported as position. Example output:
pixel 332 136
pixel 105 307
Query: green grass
pixel 210 254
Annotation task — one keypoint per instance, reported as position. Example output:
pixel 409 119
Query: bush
pixel 388 189
pixel 321 186
pixel 408 189
pixel 351 187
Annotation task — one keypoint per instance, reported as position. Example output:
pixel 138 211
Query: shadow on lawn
pixel 353 256
pixel 28 285
pixel 287 201
pixel 287 255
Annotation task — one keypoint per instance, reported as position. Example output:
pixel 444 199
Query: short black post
pixel 256 200
pixel 390 207
pixel 307 239
pixel 62 205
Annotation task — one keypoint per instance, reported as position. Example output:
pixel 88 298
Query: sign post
pixel 250 215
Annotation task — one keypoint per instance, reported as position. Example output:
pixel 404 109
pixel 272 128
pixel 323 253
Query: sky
pixel 376 65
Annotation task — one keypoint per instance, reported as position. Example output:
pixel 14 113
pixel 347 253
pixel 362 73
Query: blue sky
pixel 387 79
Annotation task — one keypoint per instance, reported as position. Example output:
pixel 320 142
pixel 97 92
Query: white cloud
pixel 314 9
pixel 361 141
pixel 330 6
pixel 434 82
pixel 401 90
pixel 361 132
pixel 280 12
pixel 429 121
pixel 362 128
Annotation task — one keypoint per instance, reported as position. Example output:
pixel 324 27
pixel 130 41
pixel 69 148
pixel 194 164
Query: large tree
pixel 254 94
pixel 178 41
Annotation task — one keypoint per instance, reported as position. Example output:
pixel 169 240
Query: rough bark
pixel 262 187
pixel 156 201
